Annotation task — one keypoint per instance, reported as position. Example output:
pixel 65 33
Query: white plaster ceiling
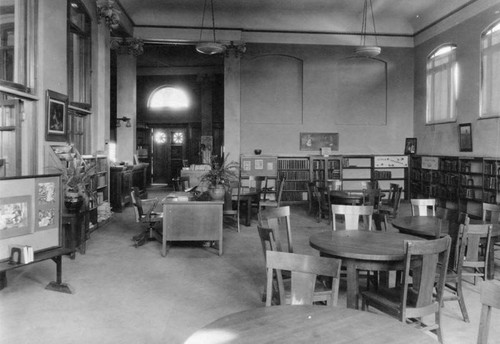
pixel 393 17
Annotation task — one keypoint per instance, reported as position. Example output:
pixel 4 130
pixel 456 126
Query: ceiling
pixel 392 17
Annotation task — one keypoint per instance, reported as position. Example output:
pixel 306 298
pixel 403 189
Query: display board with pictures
pixel 30 213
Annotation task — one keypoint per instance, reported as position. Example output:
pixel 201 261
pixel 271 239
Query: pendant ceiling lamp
pixel 368 50
pixel 209 47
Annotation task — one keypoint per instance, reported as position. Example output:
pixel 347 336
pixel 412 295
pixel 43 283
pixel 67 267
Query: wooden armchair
pixel 414 298
pixel 144 213
pixel 304 287
pixel 272 203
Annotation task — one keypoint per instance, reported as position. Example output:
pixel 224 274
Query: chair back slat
pixel 304 270
pixel 420 206
pixel 278 219
pixel 352 214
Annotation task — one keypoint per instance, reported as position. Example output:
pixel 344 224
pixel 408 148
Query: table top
pixel 363 245
pixel 308 324
pixel 425 225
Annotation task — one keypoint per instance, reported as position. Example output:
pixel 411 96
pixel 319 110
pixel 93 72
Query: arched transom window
pixel 168 97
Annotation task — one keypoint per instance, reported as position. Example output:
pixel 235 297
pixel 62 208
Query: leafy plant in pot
pixel 220 176
pixel 76 176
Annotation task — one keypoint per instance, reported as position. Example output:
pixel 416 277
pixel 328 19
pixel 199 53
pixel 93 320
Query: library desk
pixel 308 324
pixel 55 254
pixel 191 221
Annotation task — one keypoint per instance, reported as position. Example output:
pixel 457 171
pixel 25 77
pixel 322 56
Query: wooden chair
pixel 181 183
pixel 453 282
pixel 420 206
pixel 352 215
pixel 304 270
pixel 276 218
pixel 232 203
pixel 478 243
pixel 491 214
pixel 389 211
pixel 490 298
pixel 144 215
pixel 322 201
pixel 273 203
pixel 253 184
pixel 372 197
pixel 409 302
pixel 393 189
pixel 447 215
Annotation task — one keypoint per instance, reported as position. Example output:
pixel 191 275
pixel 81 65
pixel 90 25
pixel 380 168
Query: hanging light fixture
pixel 368 50
pixel 209 47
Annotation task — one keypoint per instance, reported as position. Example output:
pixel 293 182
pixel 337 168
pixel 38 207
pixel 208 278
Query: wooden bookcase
pixel 461 182
pixel 99 185
pixel 350 170
pixel 324 168
pixel 297 174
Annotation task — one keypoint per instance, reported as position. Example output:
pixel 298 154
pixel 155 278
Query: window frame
pixel 488 111
pixel 25 20
pixel 85 67
pixel 432 69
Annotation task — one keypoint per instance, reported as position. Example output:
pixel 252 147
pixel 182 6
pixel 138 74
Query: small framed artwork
pixel 410 145
pixel 317 141
pixel 57 108
pixel 465 137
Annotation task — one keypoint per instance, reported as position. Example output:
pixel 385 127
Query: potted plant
pixel 219 177
pixel 76 176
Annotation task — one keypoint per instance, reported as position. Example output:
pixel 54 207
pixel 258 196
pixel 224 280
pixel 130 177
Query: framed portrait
pixel 57 108
pixel 410 145
pixel 465 137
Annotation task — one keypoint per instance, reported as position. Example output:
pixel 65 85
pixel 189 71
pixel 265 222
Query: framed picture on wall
pixel 411 145
pixel 56 122
pixel 465 137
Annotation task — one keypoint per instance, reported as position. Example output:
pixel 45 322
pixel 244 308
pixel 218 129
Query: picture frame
pixel 465 137
pixel 56 116
pixel 317 141
pixel 411 146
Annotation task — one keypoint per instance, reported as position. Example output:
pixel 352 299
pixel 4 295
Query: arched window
pixel 442 84
pixel 490 71
pixel 168 97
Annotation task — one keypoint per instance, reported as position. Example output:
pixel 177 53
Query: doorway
pixel 169 152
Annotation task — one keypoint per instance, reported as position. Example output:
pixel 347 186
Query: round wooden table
pixel 308 324
pixel 362 250
pixel 348 198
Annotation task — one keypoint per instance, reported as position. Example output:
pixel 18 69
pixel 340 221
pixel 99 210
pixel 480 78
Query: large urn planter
pixel 73 201
pixel 217 192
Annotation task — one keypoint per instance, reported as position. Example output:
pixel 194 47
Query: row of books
pixel 21 254
pixel 302 164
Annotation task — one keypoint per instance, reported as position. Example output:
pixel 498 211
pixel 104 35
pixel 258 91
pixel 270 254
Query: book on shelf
pixel 21 254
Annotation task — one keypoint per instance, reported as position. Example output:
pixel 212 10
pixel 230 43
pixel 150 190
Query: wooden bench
pixel 54 254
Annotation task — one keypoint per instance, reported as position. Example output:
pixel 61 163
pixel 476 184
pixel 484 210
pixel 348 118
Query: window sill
pixel 16 93
pixel 442 122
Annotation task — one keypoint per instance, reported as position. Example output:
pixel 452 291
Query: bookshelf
pixel 461 182
pixel 296 172
pixel 355 171
pixel 324 168
pixel 99 183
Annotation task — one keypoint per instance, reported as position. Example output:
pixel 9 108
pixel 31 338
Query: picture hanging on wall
pixel 465 137
pixel 411 145
pixel 316 141
pixel 57 107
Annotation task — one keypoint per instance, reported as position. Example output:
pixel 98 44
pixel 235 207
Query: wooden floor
pixel 134 295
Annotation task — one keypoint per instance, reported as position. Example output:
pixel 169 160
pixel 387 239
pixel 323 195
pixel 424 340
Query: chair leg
pixel 461 301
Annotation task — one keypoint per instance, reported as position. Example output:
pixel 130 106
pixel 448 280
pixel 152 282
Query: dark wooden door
pixel 169 152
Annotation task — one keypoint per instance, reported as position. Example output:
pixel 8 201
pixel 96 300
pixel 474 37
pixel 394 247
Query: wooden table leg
pixel 352 284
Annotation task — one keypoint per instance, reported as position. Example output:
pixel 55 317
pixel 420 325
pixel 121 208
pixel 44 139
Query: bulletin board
pixel 30 212
pixel 259 165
